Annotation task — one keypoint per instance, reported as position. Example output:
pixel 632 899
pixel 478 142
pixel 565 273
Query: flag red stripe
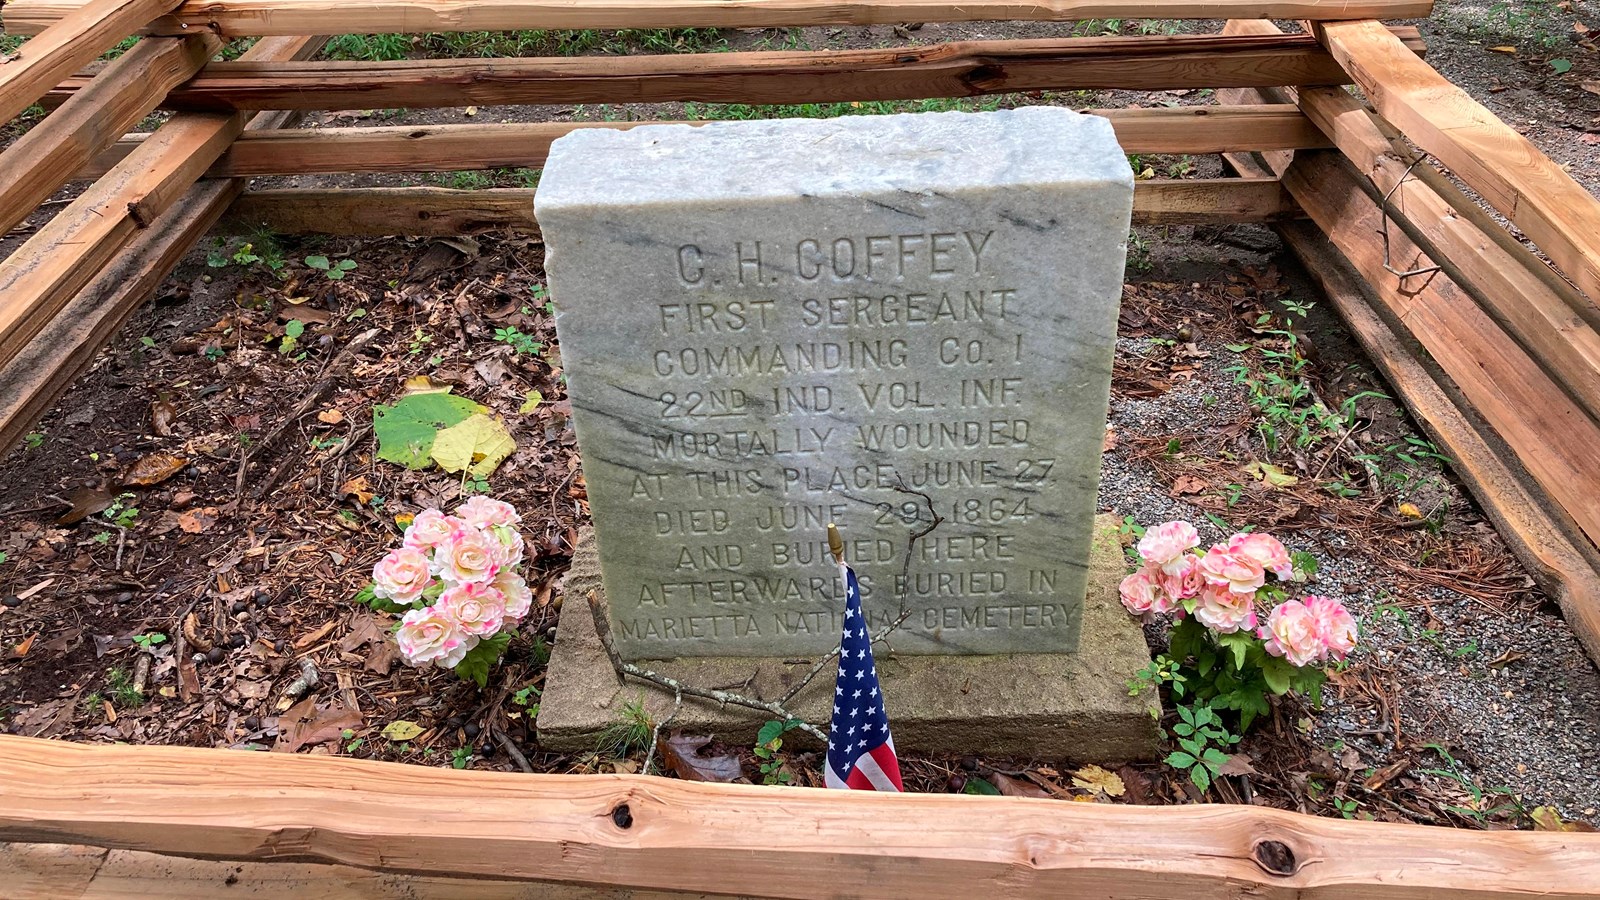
pixel 884 756
pixel 858 780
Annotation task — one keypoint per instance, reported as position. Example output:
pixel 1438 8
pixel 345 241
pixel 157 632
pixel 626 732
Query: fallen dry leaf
pixel 684 755
pixel 153 469
pixel 22 649
pixel 1109 442
pixel 330 416
pixel 1187 484
pixel 1547 818
pixel 86 501
pixel 1015 787
pixel 198 521
pixel 315 636
pixel 162 415
pixel 401 730
pixel 358 488
pixel 1237 764
pixel 1094 778
pixel 305 724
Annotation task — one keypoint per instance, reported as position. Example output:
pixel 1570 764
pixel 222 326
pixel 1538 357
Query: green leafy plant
pixel 149 640
pixel 1483 805
pixel 461 757
pixel 122 513
pixel 121 688
pixel 630 732
pixel 33 440
pixel 292 331
pixel 336 270
pixel 768 742
pixel 1203 741
pixel 520 343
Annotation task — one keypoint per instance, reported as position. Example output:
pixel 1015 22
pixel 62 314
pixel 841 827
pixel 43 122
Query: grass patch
pixel 538 42
pixel 739 111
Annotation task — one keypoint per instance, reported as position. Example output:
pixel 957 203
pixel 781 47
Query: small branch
pixel 511 750
pixel 603 629
pixel 902 594
pixel 333 372
pixel 655 734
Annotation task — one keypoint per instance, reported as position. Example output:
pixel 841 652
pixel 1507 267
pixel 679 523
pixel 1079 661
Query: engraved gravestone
pixel 768 326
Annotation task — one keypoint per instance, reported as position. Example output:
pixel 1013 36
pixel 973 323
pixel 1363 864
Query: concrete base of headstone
pixel 1050 706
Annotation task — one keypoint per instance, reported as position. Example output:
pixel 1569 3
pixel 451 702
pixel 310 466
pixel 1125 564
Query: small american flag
pixel 860 750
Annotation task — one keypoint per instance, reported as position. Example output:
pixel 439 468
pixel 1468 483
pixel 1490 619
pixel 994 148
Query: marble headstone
pixel 768 326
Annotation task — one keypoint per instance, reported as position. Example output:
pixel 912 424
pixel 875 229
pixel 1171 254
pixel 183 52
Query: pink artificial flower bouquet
pixel 1237 635
pixel 454 579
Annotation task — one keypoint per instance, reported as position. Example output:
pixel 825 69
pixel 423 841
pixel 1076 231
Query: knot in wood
pixel 1275 857
pixel 622 817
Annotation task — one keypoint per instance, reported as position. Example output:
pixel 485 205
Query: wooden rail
pixel 67 344
pixel 277 17
pixel 646 833
pixel 956 69
pixel 40 161
pixel 440 211
pixel 80 33
pixel 1552 209
pixel 448 148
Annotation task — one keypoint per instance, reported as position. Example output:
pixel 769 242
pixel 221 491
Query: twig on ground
pixel 511 750
pixel 603 629
pixel 901 593
pixel 331 375
pixel 655 733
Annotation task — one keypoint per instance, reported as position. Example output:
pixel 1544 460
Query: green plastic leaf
pixel 977 785
pixel 1239 643
pixel 406 431
pixel 1237 348
pixel 1277 673
pixel 479 660
pixel 401 730
pixel 1562 66
pixel 478 444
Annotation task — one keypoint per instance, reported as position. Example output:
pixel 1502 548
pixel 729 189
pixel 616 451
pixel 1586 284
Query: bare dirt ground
pixel 1470 703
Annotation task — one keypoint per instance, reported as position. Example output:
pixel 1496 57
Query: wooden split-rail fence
pixel 1488 336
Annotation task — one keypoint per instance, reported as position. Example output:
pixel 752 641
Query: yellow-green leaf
pixel 479 444
pixel 401 730
pixel 1271 475
pixel 532 403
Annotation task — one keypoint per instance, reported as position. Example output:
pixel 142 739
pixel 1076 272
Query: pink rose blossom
pixel 483 511
pixel 1292 632
pixel 519 600
pixel 478 609
pixel 1224 611
pixel 1266 550
pixel 511 543
pixel 426 636
pixel 430 529
pixel 1139 593
pixel 1182 585
pixel 1166 545
pixel 470 556
pixel 402 576
pixel 1240 574
pixel 1335 625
